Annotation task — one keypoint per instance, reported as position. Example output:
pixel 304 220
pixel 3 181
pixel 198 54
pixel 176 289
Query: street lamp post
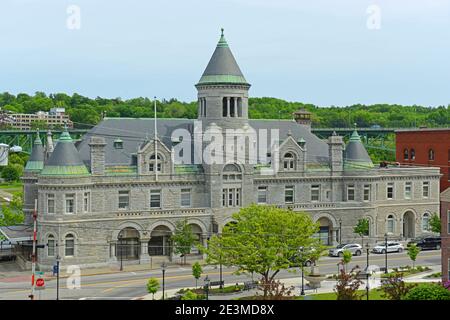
pixel 367 271
pixel 58 258
pixel 302 292
pixel 340 231
pixel 121 252
pixel 163 268
pixel 385 253
pixel 207 287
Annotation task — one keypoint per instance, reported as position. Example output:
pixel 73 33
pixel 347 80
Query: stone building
pixel 119 193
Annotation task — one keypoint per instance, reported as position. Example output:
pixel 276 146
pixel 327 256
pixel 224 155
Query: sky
pixel 324 52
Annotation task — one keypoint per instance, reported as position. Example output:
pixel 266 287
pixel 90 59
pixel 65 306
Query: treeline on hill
pixel 85 112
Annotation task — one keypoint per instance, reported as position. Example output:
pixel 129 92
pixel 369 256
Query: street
pixel 131 285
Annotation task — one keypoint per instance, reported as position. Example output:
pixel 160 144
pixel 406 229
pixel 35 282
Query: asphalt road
pixel 130 285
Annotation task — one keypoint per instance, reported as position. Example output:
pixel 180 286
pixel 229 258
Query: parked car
pixel 427 242
pixel 354 248
pixel 392 246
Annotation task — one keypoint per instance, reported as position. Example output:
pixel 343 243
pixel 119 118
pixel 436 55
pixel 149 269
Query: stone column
pixel 228 106
pixel 113 246
pixel 143 256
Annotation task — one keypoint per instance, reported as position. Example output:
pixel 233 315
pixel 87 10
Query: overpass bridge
pixel 375 138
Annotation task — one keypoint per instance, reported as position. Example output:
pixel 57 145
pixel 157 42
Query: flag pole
pixel 156 143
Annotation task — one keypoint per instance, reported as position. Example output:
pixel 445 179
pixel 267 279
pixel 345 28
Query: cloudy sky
pixel 325 52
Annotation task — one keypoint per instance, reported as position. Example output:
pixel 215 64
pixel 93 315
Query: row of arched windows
pixel 69 245
pixel 390 223
pixel 411 154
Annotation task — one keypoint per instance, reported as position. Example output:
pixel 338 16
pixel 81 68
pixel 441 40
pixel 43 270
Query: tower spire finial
pixel 222 29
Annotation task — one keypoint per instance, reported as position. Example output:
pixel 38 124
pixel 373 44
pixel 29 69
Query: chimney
pixel 49 147
pixel 97 145
pixel 336 153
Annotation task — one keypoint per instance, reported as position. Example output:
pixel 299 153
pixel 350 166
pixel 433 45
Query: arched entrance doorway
pixel 408 225
pixel 159 243
pixel 325 231
pixel 197 231
pixel 128 244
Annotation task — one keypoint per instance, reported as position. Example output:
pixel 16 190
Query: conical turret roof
pixel 355 154
pixel 222 67
pixel 65 159
pixel 36 160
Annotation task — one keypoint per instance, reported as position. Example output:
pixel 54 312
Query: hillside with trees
pixel 85 112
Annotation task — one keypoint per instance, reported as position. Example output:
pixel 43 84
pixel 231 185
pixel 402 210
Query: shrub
pixel 189 295
pixel 394 288
pixel 152 286
pixel 12 172
pixel 428 291
pixel 348 285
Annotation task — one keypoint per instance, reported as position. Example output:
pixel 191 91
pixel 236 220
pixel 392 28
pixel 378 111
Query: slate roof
pixel 222 67
pixel 65 159
pixel 134 131
pixel 36 160
pixel 355 153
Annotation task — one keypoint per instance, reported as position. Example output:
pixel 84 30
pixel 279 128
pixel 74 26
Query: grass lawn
pixel 13 188
pixel 374 294
pixel 225 290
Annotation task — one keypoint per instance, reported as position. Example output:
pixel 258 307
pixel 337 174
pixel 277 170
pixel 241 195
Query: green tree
pixel 428 291
pixel 12 172
pixel 362 229
pixel 12 214
pixel 183 239
pixel 413 252
pixel 435 223
pixel 346 258
pixel 197 272
pixel 263 240
pixel 152 286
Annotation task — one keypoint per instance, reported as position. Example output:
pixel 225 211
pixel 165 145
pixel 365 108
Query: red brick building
pixel 427 147
pixel 431 147
pixel 445 234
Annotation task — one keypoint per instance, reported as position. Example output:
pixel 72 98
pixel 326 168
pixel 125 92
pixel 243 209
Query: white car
pixel 392 246
pixel 354 248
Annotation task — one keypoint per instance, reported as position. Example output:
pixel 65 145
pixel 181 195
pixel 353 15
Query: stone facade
pixel 134 207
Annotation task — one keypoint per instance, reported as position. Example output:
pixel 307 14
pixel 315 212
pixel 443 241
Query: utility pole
pixel 33 256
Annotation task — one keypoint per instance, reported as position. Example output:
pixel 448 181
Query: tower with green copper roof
pixel 223 90
pixel 65 159
pixel 355 155
pixel 36 161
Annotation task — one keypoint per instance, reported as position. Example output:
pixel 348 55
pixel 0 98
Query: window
pixel 405 154
pixel 231 172
pixel 50 203
pixel 289 194
pixel 366 192
pixel 262 194
pixel 86 201
pixel 408 188
pixel 69 246
pixel 328 195
pixel 70 203
pixel 448 221
pixel 155 163
pixel 155 199
pixel 431 154
pixel 426 189
pixel 390 224
pixel 351 192
pixel 289 161
pixel 390 190
pixel 51 246
pixel 231 197
pixel 413 154
pixel 124 200
pixel 315 192
pixel 426 222
pixel 185 197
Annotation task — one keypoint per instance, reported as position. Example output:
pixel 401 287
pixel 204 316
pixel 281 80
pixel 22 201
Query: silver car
pixel 392 246
pixel 354 248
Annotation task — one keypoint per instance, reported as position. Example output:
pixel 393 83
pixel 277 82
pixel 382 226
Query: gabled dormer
pixel 154 158
pixel 292 155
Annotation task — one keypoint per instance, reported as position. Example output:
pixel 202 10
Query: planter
pixel 315 278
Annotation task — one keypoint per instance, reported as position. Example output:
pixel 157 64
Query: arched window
pixel 289 161
pixel 426 222
pixel 405 154
pixel 51 246
pixel 431 154
pixel 155 164
pixel 69 245
pixel 231 172
pixel 413 154
pixel 390 224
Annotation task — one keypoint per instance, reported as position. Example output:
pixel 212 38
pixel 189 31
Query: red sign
pixel 40 282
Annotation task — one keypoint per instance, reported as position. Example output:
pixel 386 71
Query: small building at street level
pixel 119 193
